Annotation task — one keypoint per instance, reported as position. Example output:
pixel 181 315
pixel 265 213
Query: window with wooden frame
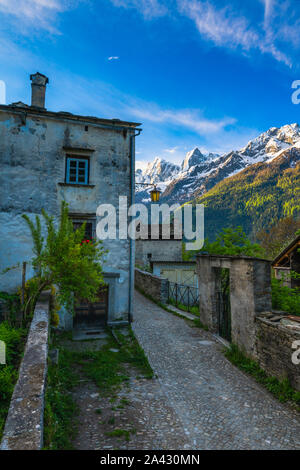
pixel 77 170
pixel 89 229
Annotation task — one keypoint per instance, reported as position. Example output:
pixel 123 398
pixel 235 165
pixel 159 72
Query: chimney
pixel 38 89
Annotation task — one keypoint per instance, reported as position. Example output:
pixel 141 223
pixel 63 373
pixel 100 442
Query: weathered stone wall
pixel 160 250
pixel 260 333
pixel 24 425
pixel 154 286
pixel 33 163
pixel 250 294
pixel 274 350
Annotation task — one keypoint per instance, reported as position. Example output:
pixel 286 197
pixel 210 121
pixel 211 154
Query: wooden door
pixel 89 315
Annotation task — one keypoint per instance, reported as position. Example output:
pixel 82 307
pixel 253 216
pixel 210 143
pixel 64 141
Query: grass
pixel 125 433
pixel 194 310
pixel 104 367
pixel 282 390
pixel 60 408
pixel 123 402
pixel 107 368
pixel 14 339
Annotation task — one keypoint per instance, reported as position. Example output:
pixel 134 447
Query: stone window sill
pixel 77 185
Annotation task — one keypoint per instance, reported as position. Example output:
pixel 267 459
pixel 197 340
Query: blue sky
pixel 211 73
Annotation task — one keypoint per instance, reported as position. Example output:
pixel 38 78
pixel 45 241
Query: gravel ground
pixel 148 417
pixel 210 403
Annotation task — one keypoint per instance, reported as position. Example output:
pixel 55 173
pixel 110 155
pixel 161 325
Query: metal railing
pixel 183 294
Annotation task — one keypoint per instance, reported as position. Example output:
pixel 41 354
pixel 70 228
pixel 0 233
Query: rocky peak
pixel 192 158
pixel 273 140
pixel 158 170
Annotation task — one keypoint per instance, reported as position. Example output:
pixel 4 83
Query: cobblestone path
pixel 212 403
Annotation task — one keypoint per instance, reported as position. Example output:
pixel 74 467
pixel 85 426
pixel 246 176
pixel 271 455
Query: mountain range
pixel 252 187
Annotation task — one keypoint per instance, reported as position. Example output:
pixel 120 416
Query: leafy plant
pixel 64 260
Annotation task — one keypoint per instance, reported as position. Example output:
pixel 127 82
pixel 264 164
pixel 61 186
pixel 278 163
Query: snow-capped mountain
pixel 157 171
pixel 192 158
pixel 198 172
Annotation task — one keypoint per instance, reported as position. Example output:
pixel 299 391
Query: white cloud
pixel 188 118
pixel 148 8
pixel 39 14
pixel 226 29
pixel 281 22
pixel 171 150
pixel 113 57
pixel 269 4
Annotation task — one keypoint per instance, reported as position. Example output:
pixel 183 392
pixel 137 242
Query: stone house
pixel 150 249
pixel 288 260
pixel 47 157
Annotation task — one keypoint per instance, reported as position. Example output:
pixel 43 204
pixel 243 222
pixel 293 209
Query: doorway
pixel 223 302
pixel 92 315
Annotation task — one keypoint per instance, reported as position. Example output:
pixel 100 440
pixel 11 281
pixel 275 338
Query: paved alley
pixel 215 404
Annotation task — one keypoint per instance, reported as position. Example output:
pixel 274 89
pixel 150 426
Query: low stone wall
pixel 24 424
pixel 156 287
pixel 274 349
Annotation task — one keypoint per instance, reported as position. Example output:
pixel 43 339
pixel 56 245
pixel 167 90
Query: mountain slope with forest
pixel 256 197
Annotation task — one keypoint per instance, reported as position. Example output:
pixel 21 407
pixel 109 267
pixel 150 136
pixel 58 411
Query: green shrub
pixel 14 340
pixel 63 258
pixel 7 380
pixel 12 307
pixel 285 298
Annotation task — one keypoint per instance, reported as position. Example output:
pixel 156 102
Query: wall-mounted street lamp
pixel 154 193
